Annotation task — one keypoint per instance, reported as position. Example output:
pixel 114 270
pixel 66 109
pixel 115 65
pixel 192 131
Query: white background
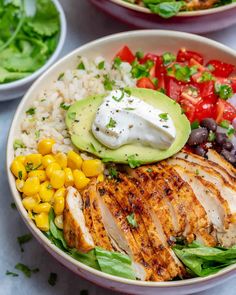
pixel 85 23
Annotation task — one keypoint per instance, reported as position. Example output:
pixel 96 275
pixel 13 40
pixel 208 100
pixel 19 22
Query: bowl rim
pixel 180 14
pixel 52 58
pixel 16 195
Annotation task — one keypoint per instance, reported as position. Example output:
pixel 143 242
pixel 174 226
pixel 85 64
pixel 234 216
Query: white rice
pixel 49 118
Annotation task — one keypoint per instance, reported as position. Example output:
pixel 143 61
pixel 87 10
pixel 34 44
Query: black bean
pixel 209 123
pixel 228 145
pixel 228 156
pixel 198 136
pixel 221 138
pixel 199 151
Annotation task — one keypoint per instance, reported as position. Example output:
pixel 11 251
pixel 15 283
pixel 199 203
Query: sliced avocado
pixel 81 114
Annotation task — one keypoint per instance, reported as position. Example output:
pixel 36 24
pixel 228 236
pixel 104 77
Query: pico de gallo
pixel 202 88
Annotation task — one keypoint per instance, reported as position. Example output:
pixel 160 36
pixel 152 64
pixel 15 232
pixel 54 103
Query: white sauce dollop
pixel 123 119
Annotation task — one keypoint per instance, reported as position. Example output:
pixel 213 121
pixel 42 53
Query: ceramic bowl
pixel 200 21
pixel 17 88
pixel 149 41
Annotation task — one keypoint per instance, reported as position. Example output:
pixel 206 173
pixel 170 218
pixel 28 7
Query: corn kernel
pixel 42 207
pixel 69 180
pixel 18 169
pixel 61 159
pixel 46 192
pixel 31 186
pixel 33 162
pixel 42 221
pixel 45 146
pixel 29 202
pixel 52 167
pixel 61 192
pixel 58 206
pixel 20 184
pixel 48 159
pixel 92 167
pixel 80 179
pixel 20 159
pixel 74 160
pixel 41 174
pixel 59 221
pixel 57 178
pixel 100 177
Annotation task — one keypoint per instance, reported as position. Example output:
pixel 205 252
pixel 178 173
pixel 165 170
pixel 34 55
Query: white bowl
pixel 18 88
pixel 148 41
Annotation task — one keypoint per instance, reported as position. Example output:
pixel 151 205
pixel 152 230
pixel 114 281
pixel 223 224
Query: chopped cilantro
pixel 141 70
pixel 52 279
pixel 112 172
pixel 155 82
pixel 30 167
pixel 81 66
pixel 61 76
pixel 162 90
pixel 211 136
pixel 127 91
pixel 119 98
pixel 108 83
pixel 18 144
pixel 101 65
pixel 129 109
pixel 20 175
pixel 168 58
pixel 116 63
pixel 195 125
pixel 139 54
pixel 10 273
pixel 183 73
pixel 31 111
pixel 131 220
pixel 49 186
pixel 164 116
pixel 211 67
pixel 24 239
pixel 205 77
pixel 25 269
pixel 112 123
pixel 225 124
pixel 133 163
pixel 230 131
pixel 64 106
pixel 224 91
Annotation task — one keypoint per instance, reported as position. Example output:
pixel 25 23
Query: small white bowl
pixel 155 41
pixel 18 88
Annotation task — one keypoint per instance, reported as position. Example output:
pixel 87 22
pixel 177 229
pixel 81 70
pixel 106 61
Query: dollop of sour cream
pixel 125 119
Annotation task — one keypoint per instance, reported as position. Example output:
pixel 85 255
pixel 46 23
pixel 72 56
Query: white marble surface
pixel 84 24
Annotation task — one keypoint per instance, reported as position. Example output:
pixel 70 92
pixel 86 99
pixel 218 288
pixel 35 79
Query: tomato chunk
pixel 221 69
pixel 233 84
pixel 205 109
pixel 225 111
pixel 173 88
pixel 207 91
pixel 145 83
pixel 126 55
pixel 149 56
pixel 186 55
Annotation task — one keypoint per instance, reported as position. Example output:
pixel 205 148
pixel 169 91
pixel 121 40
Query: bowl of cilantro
pixel 32 34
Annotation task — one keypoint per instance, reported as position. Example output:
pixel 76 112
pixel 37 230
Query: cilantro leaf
pixel 132 221
pixel 24 239
pixel 112 123
pixel 133 163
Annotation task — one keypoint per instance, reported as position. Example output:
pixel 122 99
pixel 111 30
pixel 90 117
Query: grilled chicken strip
pixel 76 233
pixel 200 4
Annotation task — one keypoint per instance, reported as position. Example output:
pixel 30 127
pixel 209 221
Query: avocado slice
pixel 80 116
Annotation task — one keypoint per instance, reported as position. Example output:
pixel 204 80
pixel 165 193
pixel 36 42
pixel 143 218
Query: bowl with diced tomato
pixel 196 72
pixel 187 16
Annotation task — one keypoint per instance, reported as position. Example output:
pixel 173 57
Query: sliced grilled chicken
pixel 200 4
pixel 116 225
pixel 76 233
pixel 210 198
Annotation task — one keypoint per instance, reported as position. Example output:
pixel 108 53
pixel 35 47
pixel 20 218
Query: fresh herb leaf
pixel 195 124
pixel 18 144
pixel 20 175
pixel 133 163
pixel 122 94
pixel 141 70
pixel 211 136
pixel 168 58
pixel 224 91
pixel 101 65
pixel 164 116
pixel 25 269
pixel 112 124
pixel 167 9
pixel 139 54
pixel 205 77
pixel 81 66
pixel 132 221
pixel 64 106
pixel 225 124
pixel 116 63
pixel 113 173
pixel 24 239
pixel 108 83
pixel 52 279
pixel 31 111
pixel 61 76
pixel 182 73
pixel 10 273
pixel 230 131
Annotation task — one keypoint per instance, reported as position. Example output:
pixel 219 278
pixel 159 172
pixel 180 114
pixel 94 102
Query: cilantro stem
pixel 18 28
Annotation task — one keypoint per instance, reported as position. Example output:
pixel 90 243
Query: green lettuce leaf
pixel 167 9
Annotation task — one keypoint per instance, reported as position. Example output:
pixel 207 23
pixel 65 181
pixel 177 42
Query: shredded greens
pixel 26 40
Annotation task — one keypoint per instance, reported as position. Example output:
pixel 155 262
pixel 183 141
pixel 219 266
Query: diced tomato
pixel 125 54
pixel 221 69
pixel 233 84
pixel 160 73
pixel 173 88
pixel 205 109
pixel 207 91
pixel 145 83
pixel 149 56
pixel 224 111
pixel 189 110
pixel 186 55
pixel 193 62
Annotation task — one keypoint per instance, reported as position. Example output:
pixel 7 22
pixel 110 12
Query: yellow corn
pixel 59 221
pixel 61 192
pixel 46 191
pixel 52 167
pixel 42 221
pixel 61 159
pixel 69 180
pixel 31 186
pixel 20 184
pixel 58 206
pixel 74 160
pixel 42 207
pixel 45 146
pixel 57 178
pixel 100 177
pixel 80 179
pixel 92 167
pixel 30 202
pixel 41 174
pixel 33 161
pixel 48 159
pixel 18 169
pixel 20 159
